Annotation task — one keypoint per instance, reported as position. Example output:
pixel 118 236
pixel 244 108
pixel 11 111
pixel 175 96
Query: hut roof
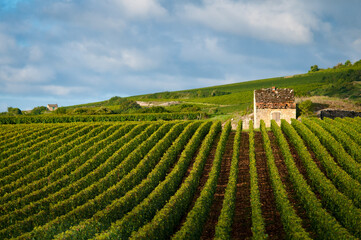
pixel 274 95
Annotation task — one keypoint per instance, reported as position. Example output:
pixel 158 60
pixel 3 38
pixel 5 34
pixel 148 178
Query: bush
pixel 115 100
pixel 83 110
pixel 103 110
pixel 61 110
pixel 39 110
pixel 155 109
pixel 306 108
pixel 189 108
pixel 128 106
pixel 14 111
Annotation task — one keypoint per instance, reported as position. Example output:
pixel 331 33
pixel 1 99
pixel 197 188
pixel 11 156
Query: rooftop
pixel 275 95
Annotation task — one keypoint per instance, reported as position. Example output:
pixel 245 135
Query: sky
pixel 78 51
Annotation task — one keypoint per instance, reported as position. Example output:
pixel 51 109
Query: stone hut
pixel 52 107
pixel 273 104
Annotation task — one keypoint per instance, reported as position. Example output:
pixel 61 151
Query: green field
pixel 180 180
pixel 341 85
pixel 237 98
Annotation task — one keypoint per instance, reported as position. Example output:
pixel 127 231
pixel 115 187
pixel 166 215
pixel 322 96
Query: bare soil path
pixel 274 227
pixel 209 227
pixel 241 228
pixel 203 180
pixel 282 169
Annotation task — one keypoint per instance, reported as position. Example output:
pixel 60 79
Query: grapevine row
pixel 37 199
pixel 290 220
pixel 350 122
pixel 70 172
pixel 258 225
pixel 355 135
pixel 325 225
pixel 339 204
pixel 12 157
pixel 343 158
pixel 10 139
pixel 346 184
pixel 147 209
pixel 225 220
pixel 101 118
pixel 102 219
pixel 104 189
pixel 52 151
pixel 352 148
pixel 63 164
pixel 196 218
pixel 81 178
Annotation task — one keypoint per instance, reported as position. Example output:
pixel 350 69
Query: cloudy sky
pixel 71 52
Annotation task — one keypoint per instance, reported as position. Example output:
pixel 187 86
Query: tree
pixel 357 63
pixel 14 111
pixel 339 65
pixel 348 63
pixel 314 68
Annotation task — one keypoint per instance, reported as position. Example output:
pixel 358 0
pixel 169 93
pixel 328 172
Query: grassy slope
pixel 239 96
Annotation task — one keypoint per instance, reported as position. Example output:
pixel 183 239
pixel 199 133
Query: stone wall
pixel 276 105
pixel 266 116
pixel 338 113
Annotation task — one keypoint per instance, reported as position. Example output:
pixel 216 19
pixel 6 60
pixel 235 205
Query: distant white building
pixel 52 107
pixel 273 104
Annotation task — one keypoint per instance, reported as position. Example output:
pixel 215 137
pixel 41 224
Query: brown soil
pixel 215 210
pixel 282 169
pixel 301 166
pixel 241 228
pixel 203 179
pixel 274 227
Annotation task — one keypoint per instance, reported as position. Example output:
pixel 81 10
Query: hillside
pixel 342 84
pixel 339 82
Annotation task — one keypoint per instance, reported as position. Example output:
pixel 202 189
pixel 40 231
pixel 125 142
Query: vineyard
pixel 180 179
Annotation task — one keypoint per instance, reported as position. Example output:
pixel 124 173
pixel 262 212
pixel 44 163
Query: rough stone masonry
pixel 274 103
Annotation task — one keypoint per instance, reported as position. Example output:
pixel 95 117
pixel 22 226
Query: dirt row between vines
pixel 282 169
pixel 209 227
pixel 241 228
pixel 271 216
pixel 203 179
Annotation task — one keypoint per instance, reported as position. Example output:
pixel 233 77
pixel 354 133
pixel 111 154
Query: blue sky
pixel 77 51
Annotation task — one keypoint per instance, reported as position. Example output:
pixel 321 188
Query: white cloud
pixel 6 42
pixel 62 90
pixel 217 81
pixel 142 84
pixel 280 21
pixel 35 54
pixel 8 49
pixel 28 74
pixel 103 15
pixel 357 43
pixel 205 49
pixel 141 8
pixel 98 57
